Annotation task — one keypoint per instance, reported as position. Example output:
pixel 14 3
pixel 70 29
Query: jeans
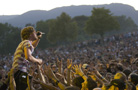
pixel 21 80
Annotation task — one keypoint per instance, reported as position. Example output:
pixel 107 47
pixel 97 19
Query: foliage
pixel 81 20
pixel 126 23
pixel 65 29
pixel 10 38
pixel 100 22
pixel 43 27
pixel 62 29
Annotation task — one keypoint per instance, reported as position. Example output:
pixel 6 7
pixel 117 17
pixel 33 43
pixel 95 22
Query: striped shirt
pixel 20 63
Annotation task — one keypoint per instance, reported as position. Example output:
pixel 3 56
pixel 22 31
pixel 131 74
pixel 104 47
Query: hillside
pixel 36 15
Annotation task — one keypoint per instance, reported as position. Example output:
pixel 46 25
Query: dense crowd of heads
pixel 107 62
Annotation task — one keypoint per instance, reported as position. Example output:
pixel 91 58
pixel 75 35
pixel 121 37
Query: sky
pixel 18 7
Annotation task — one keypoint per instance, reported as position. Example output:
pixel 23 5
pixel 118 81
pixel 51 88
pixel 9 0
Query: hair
pixel 109 68
pixel 25 32
pixel 77 81
pixel 117 83
pixel 136 55
pixel 91 83
pixel 3 86
pixel 130 85
pixel 123 76
pixel 134 78
pixel 72 88
pixel 120 67
pixel 127 72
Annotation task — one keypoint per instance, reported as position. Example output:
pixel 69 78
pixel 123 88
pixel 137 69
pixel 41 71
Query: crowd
pixel 101 64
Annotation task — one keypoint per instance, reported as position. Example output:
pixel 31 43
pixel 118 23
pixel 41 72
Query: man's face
pixel 33 36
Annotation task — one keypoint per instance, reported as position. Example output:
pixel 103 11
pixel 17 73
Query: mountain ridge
pixel 33 16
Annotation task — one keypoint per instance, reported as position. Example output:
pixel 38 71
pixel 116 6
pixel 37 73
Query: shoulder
pixel 26 43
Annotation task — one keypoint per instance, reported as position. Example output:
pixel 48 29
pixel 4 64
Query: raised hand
pixel 59 64
pixel 50 73
pixel 78 69
pixel 41 76
pixel 69 64
pixel 39 34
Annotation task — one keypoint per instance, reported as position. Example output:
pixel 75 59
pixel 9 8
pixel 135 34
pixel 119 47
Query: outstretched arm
pixel 51 75
pixel 59 64
pixel 69 65
pixel 79 71
pixel 99 77
pixel 46 86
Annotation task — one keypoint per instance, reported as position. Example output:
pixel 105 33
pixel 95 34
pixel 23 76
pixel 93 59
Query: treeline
pixel 66 30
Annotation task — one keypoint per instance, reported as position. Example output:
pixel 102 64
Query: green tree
pixel 126 23
pixel 100 22
pixel 43 27
pixel 3 31
pixel 10 37
pixel 81 20
pixel 11 41
pixel 62 29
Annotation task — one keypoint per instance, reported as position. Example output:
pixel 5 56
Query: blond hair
pixel 25 32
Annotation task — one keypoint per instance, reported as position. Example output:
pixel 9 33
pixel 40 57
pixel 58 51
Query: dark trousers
pixel 21 80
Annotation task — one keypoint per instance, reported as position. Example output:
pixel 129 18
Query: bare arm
pixel 46 86
pixel 79 71
pixel 69 65
pixel 99 77
pixel 41 76
pixel 51 87
pixel 29 56
pixel 51 75
pixel 59 63
pixel 35 43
